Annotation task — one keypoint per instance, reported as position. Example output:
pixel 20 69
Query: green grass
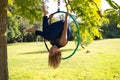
pixel 29 61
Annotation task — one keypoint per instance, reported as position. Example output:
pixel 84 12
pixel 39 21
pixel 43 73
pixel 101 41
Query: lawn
pixel 29 61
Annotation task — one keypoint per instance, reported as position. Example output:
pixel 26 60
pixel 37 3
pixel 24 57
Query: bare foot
pixel 45 12
pixel 30 30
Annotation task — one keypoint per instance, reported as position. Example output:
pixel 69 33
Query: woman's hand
pixel 50 16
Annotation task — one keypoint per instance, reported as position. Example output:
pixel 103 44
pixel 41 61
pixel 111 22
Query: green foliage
pixel 9 8
pixel 28 9
pixel 111 29
pixel 118 25
pixel 113 12
pixel 90 20
pixel 74 35
pixel 13 32
pixel 21 22
pixel 113 4
pixel 10 2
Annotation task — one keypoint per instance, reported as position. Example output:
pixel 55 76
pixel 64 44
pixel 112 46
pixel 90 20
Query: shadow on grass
pixel 65 50
pixel 42 52
pixel 37 52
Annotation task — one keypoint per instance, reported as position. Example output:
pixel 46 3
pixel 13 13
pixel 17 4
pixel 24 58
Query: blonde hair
pixel 54 60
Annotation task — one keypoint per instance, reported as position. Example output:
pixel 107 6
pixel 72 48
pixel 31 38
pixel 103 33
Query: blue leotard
pixel 52 32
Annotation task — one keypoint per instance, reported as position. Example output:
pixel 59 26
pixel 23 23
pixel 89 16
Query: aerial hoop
pixel 78 33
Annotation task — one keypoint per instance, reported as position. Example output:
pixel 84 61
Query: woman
pixel 57 33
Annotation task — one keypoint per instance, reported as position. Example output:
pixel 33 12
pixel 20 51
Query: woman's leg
pixel 63 38
pixel 45 19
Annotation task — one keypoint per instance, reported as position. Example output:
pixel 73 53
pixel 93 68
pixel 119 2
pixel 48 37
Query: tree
pixel 88 13
pixel 111 29
pixel 13 32
pixel 29 9
pixel 114 11
pixel 3 41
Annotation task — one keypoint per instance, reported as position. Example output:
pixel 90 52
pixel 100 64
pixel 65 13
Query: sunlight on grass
pixel 29 61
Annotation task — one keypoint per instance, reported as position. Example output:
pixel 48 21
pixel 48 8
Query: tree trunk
pixel 3 41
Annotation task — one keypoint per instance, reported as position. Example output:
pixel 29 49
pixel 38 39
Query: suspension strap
pixel 58 5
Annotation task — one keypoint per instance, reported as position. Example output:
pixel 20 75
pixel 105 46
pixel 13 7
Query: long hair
pixel 54 60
